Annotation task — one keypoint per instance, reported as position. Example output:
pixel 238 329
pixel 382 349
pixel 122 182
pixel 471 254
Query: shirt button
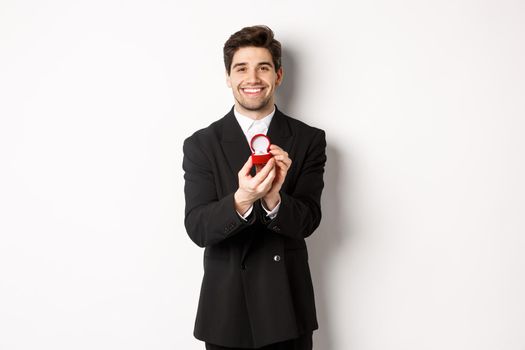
pixel 277 257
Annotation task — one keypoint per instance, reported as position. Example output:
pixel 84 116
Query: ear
pixel 228 80
pixel 280 74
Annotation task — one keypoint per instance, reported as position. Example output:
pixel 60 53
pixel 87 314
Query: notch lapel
pixel 280 134
pixel 234 144
pixel 279 131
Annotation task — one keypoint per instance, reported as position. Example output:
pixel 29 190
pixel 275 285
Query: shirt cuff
pixel 271 213
pixel 248 212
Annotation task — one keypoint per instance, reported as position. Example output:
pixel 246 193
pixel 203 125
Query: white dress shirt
pixel 252 127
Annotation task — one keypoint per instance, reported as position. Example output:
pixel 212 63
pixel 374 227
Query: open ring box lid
pixel 260 145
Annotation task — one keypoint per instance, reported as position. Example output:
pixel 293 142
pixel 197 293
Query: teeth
pixel 252 90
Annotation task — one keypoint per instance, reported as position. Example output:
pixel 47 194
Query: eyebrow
pixel 259 64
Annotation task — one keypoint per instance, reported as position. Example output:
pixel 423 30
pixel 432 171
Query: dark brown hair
pixel 258 36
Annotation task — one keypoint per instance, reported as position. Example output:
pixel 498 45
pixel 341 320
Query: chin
pixel 255 107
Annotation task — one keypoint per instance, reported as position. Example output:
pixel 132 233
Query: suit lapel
pixel 234 144
pixel 279 131
pixel 280 134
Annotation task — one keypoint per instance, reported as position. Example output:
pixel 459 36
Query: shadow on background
pixel 325 241
pixel 284 94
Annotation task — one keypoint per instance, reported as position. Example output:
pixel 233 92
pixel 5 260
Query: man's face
pixel 253 80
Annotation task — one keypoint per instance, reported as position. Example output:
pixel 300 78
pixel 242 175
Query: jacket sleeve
pixel 300 211
pixel 207 218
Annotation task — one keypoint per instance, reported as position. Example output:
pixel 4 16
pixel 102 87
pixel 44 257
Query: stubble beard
pixel 256 106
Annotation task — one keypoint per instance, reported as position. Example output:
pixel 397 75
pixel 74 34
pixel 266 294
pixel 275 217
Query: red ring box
pixel 260 145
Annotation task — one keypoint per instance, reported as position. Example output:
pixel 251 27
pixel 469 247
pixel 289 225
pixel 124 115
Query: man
pixel 257 291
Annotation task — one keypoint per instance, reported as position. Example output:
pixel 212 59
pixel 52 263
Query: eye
pixel 265 68
pixel 242 69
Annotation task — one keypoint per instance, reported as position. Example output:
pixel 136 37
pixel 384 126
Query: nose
pixel 253 76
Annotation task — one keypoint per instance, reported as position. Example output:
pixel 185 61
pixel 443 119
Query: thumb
pixel 245 170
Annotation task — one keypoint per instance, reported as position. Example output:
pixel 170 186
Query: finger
pixel 279 152
pixel 245 170
pixel 282 159
pixel 283 165
pixel 267 182
pixel 265 170
pixel 275 147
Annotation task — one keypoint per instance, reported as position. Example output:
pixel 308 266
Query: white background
pixel 422 240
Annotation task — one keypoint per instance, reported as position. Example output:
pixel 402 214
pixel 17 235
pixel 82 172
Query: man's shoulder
pixel 208 133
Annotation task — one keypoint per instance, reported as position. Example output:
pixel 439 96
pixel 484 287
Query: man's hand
pixel 282 165
pixel 252 188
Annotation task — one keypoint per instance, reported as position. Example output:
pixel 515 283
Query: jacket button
pixel 277 229
pixel 277 257
pixel 243 266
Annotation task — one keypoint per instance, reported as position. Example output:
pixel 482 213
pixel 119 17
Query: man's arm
pixel 208 219
pixel 300 211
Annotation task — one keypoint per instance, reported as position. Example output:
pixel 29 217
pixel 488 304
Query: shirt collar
pixel 246 122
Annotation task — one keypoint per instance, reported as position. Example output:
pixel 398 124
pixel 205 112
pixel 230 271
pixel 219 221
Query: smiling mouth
pixel 252 91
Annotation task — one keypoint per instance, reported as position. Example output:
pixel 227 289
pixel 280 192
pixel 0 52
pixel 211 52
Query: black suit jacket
pixel 256 288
